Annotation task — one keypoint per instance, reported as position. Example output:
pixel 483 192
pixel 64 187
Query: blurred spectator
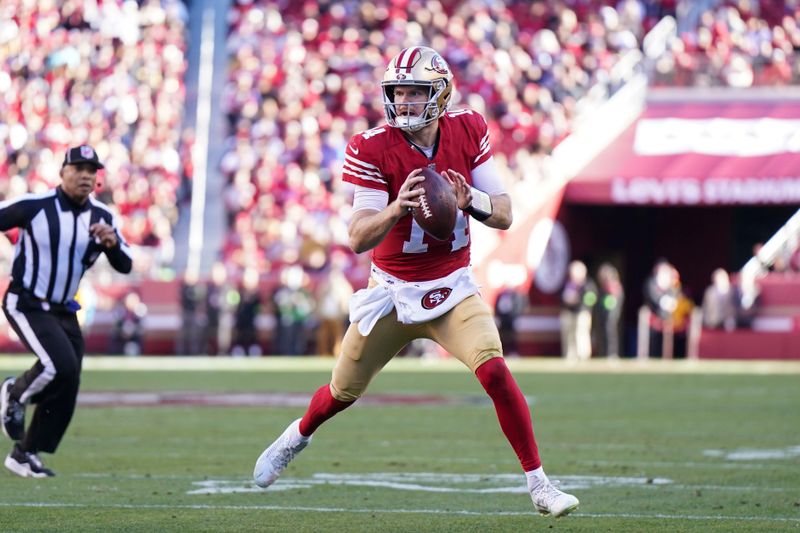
pixel 128 329
pixel 738 44
pixel 187 165
pixel 188 341
pixel 220 300
pixel 108 74
pixel 245 340
pixel 577 300
pixel 719 302
pixel 786 260
pixel 747 299
pixel 508 306
pixel 793 252
pixel 681 316
pixel 661 297
pixel 293 309
pixel 333 297
pixel 670 311
pixel 608 312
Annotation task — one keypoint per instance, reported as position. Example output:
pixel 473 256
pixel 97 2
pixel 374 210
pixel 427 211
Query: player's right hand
pixel 406 196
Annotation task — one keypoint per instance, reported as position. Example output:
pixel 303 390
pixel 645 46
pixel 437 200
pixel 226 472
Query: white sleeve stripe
pixel 457 112
pixel 485 151
pixel 348 169
pixel 359 162
pixel 354 168
pixel 363 177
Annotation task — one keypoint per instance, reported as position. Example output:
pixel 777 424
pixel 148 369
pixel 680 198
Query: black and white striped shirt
pixel 54 247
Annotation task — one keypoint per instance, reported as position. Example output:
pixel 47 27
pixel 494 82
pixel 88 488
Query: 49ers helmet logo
pixel 435 297
pixel 439 65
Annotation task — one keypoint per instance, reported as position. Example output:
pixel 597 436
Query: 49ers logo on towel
pixel 435 297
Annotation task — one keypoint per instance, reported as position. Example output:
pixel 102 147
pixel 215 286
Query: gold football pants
pixel 467 331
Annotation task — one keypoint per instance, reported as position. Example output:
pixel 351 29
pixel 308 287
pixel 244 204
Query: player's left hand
pixel 460 187
pixel 103 234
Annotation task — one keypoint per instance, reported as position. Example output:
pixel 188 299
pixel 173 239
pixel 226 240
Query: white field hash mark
pixel 576 515
pixel 424 482
pixel 456 483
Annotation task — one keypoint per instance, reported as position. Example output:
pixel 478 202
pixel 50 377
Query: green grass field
pixel 656 447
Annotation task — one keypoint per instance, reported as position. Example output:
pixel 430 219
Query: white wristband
pixel 481 205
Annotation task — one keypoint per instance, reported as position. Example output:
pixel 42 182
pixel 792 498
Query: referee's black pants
pixel 52 383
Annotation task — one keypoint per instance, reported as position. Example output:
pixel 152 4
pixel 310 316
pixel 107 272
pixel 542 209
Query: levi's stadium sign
pixel 709 191
pixel 699 153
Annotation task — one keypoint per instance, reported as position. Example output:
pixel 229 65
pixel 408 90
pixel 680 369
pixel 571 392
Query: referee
pixel 62 233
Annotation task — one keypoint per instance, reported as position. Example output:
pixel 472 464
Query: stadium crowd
pixel 105 73
pixel 738 44
pixel 304 76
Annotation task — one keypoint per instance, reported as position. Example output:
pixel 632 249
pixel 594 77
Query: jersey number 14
pixel 416 244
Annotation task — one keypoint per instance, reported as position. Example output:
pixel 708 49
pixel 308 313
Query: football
pixel 436 214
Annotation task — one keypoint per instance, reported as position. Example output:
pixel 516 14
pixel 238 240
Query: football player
pixel 421 287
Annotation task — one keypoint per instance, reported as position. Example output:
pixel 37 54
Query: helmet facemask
pixel 438 92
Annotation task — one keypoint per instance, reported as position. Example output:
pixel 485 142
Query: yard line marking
pixel 203 507
pixel 504 483
pixel 212 486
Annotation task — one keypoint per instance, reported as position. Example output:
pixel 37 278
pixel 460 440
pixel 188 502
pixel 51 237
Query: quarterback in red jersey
pixel 421 287
pixel 378 161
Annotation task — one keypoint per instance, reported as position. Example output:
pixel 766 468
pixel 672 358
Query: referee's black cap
pixel 82 154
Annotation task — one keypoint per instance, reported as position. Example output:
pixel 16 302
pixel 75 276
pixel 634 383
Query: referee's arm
pixel 15 213
pixel 119 255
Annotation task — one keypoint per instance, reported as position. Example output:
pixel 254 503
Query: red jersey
pixel 382 158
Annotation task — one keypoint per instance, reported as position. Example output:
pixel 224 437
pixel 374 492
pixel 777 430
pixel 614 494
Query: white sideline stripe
pixel 201 507
pixel 521 365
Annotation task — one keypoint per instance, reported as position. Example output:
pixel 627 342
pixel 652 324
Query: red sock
pixel 512 410
pixel 322 407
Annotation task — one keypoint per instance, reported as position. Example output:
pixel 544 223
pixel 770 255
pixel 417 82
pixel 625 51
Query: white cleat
pixel 548 500
pixel 279 454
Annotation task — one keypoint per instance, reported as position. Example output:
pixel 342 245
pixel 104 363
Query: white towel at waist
pixel 415 301
pixel 369 305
